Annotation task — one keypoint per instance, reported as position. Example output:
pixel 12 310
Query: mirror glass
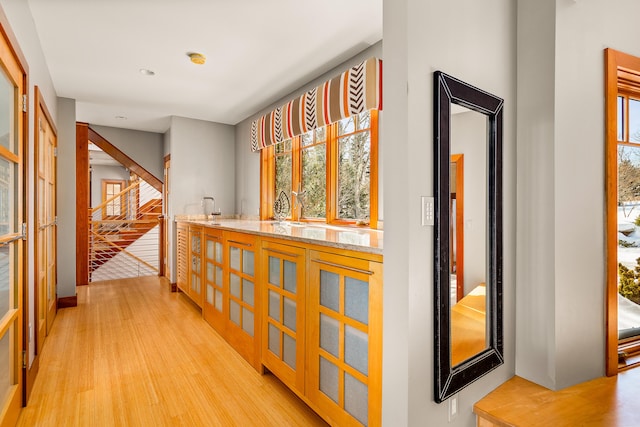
pixel 468 234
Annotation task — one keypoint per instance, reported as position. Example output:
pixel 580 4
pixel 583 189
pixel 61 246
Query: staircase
pixel 125 245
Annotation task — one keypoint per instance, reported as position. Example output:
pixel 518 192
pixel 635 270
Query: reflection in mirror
pixel 468 234
pixel 468 312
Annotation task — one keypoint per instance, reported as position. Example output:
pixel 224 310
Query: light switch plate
pixel 427 211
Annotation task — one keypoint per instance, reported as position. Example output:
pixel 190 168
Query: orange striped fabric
pixel 356 90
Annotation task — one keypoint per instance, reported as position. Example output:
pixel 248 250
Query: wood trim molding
pixel 67 302
pixel 82 204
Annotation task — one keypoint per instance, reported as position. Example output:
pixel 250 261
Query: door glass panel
pixel 247 262
pixel 7 197
pixel 209 294
pixel 210 272
pixel 209 249
pixel 234 312
pixel 218 276
pixel 7 91
pixel 247 292
pixel 234 255
pixel 5 363
pixel 218 252
pixel 290 276
pixel 274 305
pixel 218 301
pixel 234 285
pixel 274 340
pixel 274 271
pixel 329 379
pixel 356 349
pixel 329 290
pixel 356 299
pixel 329 334
pixel 289 350
pixel 356 397
pixel 290 313
pixel 6 285
pixel 247 321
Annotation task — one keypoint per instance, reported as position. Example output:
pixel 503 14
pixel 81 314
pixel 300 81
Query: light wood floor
pixel 134 354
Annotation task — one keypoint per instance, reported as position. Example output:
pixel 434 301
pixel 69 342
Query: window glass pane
pixel 283 177
pixel 634 120
pixel 353 176
pixel 346 125
pixel 364 120
pixel 314 181
pixel 620 118
pixel 628 241
pixel 306 139
pixel 321 134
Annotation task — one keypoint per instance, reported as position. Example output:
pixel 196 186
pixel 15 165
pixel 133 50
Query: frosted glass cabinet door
pixel 195 265
pixel 213 303
pixel 240 308
pixel 345 318
pixel 283 313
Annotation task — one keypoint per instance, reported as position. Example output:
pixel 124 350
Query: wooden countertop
pixel 605 401
pixel 351 238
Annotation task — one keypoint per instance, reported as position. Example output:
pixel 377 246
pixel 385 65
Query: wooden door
pixel 46 223
pixel 215 293
pixel 12 232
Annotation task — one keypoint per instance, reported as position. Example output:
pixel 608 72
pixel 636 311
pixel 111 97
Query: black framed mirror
pixel 468 316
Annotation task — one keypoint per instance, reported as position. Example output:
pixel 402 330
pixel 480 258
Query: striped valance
pixel 356 90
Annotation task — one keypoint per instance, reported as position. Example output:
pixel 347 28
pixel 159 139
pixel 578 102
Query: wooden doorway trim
pixel 620 69
pixel 82 204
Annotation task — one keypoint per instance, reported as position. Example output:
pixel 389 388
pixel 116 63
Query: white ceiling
pixel 257 51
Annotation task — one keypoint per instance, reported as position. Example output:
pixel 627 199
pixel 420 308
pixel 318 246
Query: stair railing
pixel 124 235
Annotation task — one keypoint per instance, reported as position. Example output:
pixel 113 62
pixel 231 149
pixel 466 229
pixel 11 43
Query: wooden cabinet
pixel 312 315
pixel 182 254
pixel 215 298
pixel 195 264
pixel 283 333
pixel 344 342
pixel 243 316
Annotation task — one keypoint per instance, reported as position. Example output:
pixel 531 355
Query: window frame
pixel 108 201
pixel 267 177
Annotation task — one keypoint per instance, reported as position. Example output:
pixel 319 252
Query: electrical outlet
pixel 453 407
pixel 427 210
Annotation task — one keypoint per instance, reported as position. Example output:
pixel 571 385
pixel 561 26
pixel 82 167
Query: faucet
pixel 204 206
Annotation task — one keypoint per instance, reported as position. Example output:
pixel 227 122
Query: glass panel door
pixel 11 241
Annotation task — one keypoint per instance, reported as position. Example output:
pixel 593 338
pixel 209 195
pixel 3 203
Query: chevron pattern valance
pixel 356 90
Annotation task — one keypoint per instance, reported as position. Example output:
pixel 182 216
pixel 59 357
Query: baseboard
pixel 66 302
pixel 174 287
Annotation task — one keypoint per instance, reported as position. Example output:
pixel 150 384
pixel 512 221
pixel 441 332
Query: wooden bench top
pixel 606 401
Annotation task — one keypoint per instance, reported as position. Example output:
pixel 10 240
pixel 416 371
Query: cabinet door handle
pixel 248 245
pixel 275 251
pixel 344 267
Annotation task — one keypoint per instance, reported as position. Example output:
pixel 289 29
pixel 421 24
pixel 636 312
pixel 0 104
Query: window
pixel 113 206
pixel 628 221
pixel 329 174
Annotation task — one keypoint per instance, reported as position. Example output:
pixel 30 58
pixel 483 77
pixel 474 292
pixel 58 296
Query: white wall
pixel 66 197
pixel 474 41
pixel 146 148
pixel 248 163
pixel 202 164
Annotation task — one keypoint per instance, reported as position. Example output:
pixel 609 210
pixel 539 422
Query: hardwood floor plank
pixel 134 354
